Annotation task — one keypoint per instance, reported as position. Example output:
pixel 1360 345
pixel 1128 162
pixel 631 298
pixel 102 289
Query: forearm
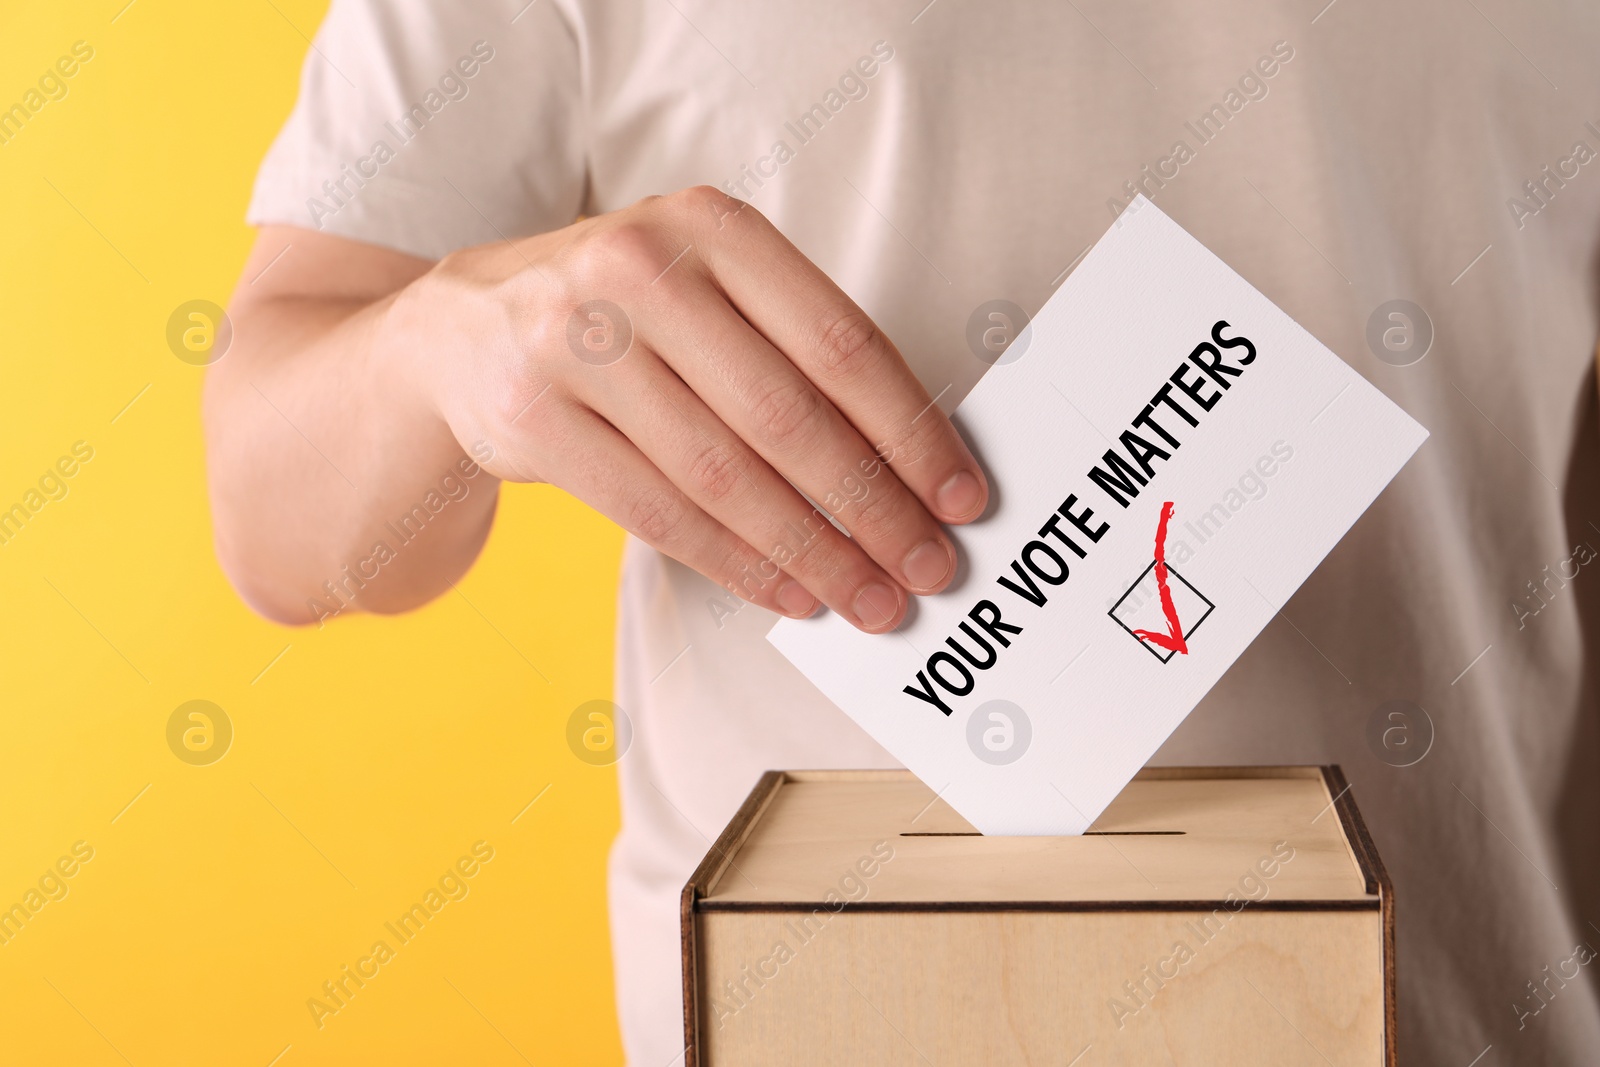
pixel 334 484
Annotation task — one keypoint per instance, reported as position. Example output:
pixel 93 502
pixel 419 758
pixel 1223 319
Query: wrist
pixel 415 348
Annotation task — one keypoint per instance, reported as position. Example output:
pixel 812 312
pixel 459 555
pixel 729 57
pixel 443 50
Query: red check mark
pixel 1172 640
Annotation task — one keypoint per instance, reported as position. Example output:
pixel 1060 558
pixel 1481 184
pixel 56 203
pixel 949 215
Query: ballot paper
pixel 1171 456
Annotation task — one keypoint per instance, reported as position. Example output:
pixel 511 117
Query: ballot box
pixel 1220 915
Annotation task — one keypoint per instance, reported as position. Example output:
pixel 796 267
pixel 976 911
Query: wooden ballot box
pixel 1210 916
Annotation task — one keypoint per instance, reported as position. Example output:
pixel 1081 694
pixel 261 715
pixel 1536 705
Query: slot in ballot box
pixel 1210 916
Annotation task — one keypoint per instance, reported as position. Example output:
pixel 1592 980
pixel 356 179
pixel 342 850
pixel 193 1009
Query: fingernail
pixel 927 565
pixel 795 599
pixel 876 604
pixel 960 496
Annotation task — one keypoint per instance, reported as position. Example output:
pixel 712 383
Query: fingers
pixel 836 345
pixel 730 481
pixel 767 402
pixel 603 468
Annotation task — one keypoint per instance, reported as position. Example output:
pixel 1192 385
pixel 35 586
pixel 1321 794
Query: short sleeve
pixel 429 125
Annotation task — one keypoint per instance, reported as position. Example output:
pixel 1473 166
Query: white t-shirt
pixel 930 159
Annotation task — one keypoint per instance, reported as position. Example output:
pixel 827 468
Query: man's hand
pixel 678 365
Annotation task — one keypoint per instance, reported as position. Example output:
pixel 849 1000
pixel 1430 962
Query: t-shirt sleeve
pixel 429 125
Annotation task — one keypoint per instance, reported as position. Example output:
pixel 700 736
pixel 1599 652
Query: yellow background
pixel 368 757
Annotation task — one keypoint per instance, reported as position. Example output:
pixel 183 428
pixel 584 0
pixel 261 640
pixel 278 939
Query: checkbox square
pixel 1140 608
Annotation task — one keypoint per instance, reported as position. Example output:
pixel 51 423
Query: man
pixel 843 188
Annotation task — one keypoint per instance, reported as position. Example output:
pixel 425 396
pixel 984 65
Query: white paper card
pixel 1028 700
